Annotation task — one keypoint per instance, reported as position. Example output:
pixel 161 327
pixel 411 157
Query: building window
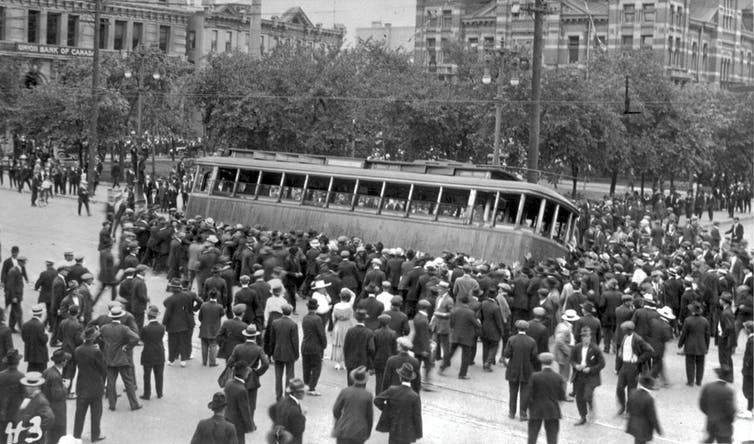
pixel 137 34
pixel 671 16
pixel 72 39
pixel 432 19
pixel 229 41
pixel 53 29
pixel 190 41
pixel 104 28
pixel 213 42
pixel 629 13
pixel 649 12
pixel 627 42
pixel 670 50
pixel 573 49
pixel 679 17
pixel 447 19
pixel 705 59
pixel 164 38
pixel 119 37
pixel 489 43
pixel 694 56
pixel 2 23
pixel 473 43
pixel 678 54
pixel 32 27
pixel 600 41
pixel 646 41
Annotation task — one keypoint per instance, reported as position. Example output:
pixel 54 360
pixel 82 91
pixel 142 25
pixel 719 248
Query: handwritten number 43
pixel 34 431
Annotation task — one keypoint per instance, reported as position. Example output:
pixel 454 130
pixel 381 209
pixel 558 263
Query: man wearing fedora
pixel 587 361
pixel 153 353
pixel 546 391
pixel 694 339
pixel 35 341
pixel 217 429
pixel 718 402
pixel 237 410
pixel 26 428
pixel 90 385
pixel 287 412
pixel 11 390
pixel 313 346
pixel 642 414
pixel 55 390
pixel 255 360
pixel 401 409
pixel 119 342
pixel 353 411
pixel 179 322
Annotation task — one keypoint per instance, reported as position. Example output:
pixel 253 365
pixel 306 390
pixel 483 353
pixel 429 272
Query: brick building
pixel 699 40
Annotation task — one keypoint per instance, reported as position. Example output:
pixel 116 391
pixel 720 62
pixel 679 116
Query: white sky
pixel 351 13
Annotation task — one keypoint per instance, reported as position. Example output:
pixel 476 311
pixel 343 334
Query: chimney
pixel 255 29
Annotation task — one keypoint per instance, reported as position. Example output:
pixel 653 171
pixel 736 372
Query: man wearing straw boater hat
pixel 256 360
pixel 35 340
pixel 217 429
pixel 34 404
pixel 119 341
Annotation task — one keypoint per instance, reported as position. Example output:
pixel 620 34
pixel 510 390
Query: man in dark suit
pixel 57 295
pixel 119 342
pixel 747 371
pixel 55 390
pixel 35 341
pixel 463 330
pixel 358 346
pixel 256 360
pixel 153 353
pixel 642 415
pixel 545 394
pixel 587 362
pixel 384 347
pixel 126 288
pixel 254 311
pixel 179 322
pixel 398 319
pixel 353 411
pixel 372 306
pixel 237 410
pixel 11 262
pixel 612 298
pixel 401 409
pixel 70 335
pixel 313 346
pixel 643 315
pixel 623 313
pixel 736 232
pixel 520 354
pixel 14 293
pixel 285 348
pixel 633 354
pixel 139 297
pixel 538 331
pixel 694 339
pixel 34 406
pixel 394 363
pixel 90 384
pixel 217 429
pixel 287 411
pixel 231 332
pixel 590 321
pixel 210 316
pixel 422 336
pixel 44 284
pixel 11 390
pixel 727 336
pixel 491 318
pixel 718 402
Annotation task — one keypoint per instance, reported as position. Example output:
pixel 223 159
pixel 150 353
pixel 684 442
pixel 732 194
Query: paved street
pixel 456 412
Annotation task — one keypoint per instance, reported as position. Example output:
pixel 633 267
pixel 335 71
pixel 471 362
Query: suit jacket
pixel 440 323
pixel 152 336
pixel 594 360
pixel 641 349
pixel 593 323
pixel 546 390
pixel 56 394
pixel 422 335
pixel 251 353
pixel 538 331
pixel 210 315
pixel 358 347
pixel 179 313
pixel 695 335
pixel 11 394
pixel 70 334
pixel 401 413
pixel 287 413
pixel 521 352
pixel 660 333
pixel 390 377
pixel 230 335
pixel 398 322
pixel 354 413
pixel 14 285
pixel 38 406
pixel 92 371
pixel 284 340
pixel 254 311
pixel 57 293
pixel 84 302
pixel 463 326
pixel 118 342
pixel 641 318
pixel 139 297
pixel 35 342
pixel 126 291
pixel 215 430
pixel 237 411
pixel 718 402
pixel 492 320
pixel 315 338
pixel 216 283
pixel 384 346
pixel 642 415
pixel 44 285
pixel 374 308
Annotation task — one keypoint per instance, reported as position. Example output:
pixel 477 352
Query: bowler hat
pixel 218 401
pixel 60 355
pixel 12 357
pixel 406 371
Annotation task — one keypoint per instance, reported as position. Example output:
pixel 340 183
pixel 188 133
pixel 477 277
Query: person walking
pixel 440 322
pixel 119 341
pixel 210 317
pixel 287 412
pixel 179 322
pixel 395 362
pixel 55 390
pixel 587 361
pixel 660 333
pixel 353 411
pixel 726 331
pixel 545 394
pixel 401 409
pixel 422 338
pixel 33 334
pixel 237 410
pixel 491 318
pixel 694 340
pixel 253 357
pixel 90 385
pixel 83 194
pixel 139 297
pixel 642 414
pixel 14 293
pixel 217 429
pixel 313 347
pixel 71 336
pixel 520 354
pixel 284 344
pixel 153 354
pixel 633 353
pixel 358 346
pixel 564 342
pixel 463 331
pixel 384 347
pixel 718 403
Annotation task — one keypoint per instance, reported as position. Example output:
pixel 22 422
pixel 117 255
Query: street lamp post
pixel 487 79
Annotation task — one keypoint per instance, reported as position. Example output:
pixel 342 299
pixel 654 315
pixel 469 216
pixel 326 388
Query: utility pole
pixel 95 101
pixel 536 93
pixel 498 112
pixel 255 29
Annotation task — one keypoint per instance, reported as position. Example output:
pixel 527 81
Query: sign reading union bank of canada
pixel 32 48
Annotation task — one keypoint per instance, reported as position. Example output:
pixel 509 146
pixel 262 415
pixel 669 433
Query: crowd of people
pixel 633 281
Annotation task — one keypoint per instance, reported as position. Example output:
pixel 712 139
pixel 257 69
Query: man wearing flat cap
pixel 633 354
pixel 55 390
pixel 217 429
pixel 397 361
pixel 287 412
pixel 520 355
pixel 545 394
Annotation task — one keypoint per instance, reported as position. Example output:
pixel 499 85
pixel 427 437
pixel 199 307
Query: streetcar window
pixel 341 194
pixel 226 177
pixel 424 201
pixel 269 188
pixel 316 191
pixel 453 205
pixel 368 196
pixel 484 204
pixel 247 183
pixel 205 173
pixel 293 187
pixel 396 198
pixel 546 225
pixel 507 206
pixel 561 225
pixel 531 212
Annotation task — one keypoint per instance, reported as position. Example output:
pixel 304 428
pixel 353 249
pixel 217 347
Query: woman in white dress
pixel 343 320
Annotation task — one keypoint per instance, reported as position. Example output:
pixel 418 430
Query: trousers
pixel 694 369
pixel 628 378
pixel 312 367
pixel 584 391
pixel 489 350
pixel 552 427
pixel 209 351
pixel 84 403
pixel 159 371
pixel 466 357
pixel 514 387
pixel 126 374
pixel 179 344
pixel 15 315
pixel 289 368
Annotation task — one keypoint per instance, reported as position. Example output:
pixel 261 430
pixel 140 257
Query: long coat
pixel 695 335
pixel 521 352
pixel 284 340
pixel 237 411
pixel 251 353
pixel 35 342
pixel 422 335
pixel 56 394
pixel 353 414
pixel 718 402
pixel 210 316
pixel 118 342
pixel 390 377
pixel 287 413
pixel 230 335
pixel 358 347
pixel 401 413
pixel 545 393
pixel 492 320
pixel 152 336
pixel 642 415
pixel 179 314
pixel 463 326
pixel 44 285
pixel 315 338
pixel 215 430
pixel 92 371
pixel 384 346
